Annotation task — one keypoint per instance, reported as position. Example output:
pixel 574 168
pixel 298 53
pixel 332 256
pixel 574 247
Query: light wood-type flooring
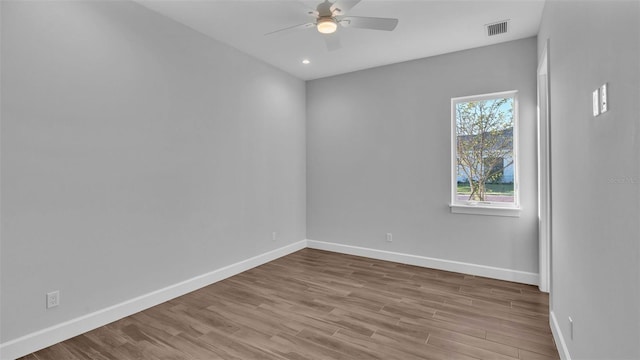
pixel 315 304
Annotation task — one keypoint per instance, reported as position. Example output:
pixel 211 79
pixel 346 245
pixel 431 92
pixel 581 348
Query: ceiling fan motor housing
pixel 324 9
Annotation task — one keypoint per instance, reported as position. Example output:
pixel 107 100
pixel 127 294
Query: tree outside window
pixel 484 151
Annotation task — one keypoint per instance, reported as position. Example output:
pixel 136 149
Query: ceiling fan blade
pixel 294 27
pixel 332 41
pixel 304 6
pixel 340 7
pixel 387 24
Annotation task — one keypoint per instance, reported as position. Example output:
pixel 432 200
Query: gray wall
pixel 596 175
pixel 378 157
pixel 136 153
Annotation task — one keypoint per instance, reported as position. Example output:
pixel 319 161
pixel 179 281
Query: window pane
pixel 484 150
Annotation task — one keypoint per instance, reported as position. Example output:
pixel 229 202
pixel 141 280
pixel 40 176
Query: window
pixel 484 154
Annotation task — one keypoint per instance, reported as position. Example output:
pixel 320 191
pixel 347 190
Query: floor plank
pixel 320 305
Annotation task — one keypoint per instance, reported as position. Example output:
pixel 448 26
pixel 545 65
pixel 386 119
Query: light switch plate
pixel 596 102
pixel 604 106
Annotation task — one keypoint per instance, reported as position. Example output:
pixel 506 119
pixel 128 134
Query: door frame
pixel 544 171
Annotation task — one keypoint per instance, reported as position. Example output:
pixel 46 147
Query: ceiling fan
pixel 328 15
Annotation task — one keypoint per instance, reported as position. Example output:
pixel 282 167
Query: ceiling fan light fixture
pixel 326 25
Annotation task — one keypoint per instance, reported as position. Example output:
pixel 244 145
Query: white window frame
pixel 486 208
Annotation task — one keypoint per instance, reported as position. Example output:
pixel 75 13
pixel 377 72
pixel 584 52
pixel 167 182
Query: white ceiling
pixel 425 28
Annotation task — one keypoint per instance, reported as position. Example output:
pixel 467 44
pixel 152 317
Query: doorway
pixel 544 172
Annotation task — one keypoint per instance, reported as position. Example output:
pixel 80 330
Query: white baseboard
pixel 563 351
pixel 448 265
pixel 55 334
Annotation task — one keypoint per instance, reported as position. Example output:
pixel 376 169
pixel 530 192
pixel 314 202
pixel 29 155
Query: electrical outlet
pixel 389 237
pixel 570 328
pixel 53 299
pixel 274 236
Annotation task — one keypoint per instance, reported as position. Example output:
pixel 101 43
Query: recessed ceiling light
pixel 306 61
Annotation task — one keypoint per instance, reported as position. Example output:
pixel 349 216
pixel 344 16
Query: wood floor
pixel 321 305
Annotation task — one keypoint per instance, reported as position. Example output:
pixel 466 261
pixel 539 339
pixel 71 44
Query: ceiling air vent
pixel 497 28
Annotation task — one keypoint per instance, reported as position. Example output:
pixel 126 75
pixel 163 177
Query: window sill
pixel 485 210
